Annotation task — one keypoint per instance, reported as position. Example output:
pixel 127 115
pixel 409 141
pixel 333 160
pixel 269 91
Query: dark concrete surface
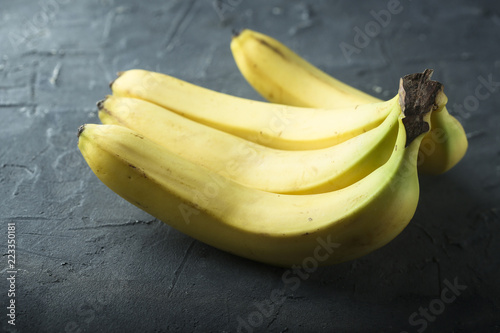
pixel 87 261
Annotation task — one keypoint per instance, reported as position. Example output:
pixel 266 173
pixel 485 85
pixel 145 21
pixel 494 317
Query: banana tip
pixel 235 32
pixel 100 104
pixel 118 74
pixel 80 130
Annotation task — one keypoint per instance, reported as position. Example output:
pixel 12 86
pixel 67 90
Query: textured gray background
pixel 90 262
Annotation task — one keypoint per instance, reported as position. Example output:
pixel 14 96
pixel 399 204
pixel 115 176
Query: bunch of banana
pixel 282 76
pixel 280 184
pixel 254 165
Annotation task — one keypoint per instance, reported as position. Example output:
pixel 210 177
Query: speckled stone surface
pixel 88 261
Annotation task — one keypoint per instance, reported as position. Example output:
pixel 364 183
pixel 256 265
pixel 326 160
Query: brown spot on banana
pixel 269 46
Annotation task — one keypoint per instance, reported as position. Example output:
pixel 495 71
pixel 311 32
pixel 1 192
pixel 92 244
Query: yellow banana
pixel 279 229
pixel 282 76
pixel 272 125
pixel 251 164
pixel 272 228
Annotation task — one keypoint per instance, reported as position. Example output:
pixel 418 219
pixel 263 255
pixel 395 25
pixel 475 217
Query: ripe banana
pixel 272 125
pixel 279 229
pixel 282 76
pixel 263 226
pixel 251 164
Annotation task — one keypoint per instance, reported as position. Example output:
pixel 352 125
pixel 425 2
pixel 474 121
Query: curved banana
pixel 272 125
pixel 277 229
pixel 251 164
pixel 282 76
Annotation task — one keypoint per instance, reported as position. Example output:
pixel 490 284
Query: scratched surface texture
pixel 90 262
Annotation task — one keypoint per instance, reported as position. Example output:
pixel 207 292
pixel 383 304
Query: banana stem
pixel 418 95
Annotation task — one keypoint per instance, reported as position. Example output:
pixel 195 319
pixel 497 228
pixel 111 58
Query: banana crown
pixel 418 96
pixel 282 76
